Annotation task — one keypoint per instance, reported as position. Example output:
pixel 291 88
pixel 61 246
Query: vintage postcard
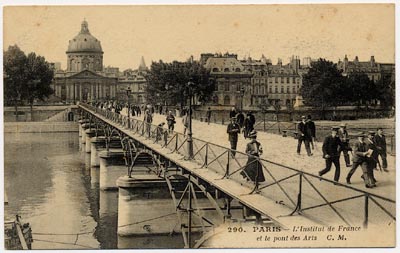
pixel 199 126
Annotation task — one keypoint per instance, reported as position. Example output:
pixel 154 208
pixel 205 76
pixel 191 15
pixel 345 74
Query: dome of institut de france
pixel 84 41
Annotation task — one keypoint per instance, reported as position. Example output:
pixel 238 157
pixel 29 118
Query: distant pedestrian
pixel 160 131
pixel 240 119
pixel 380 141
pixel 344 138
pixel 304 135
pixel 253 170
pixel 208 115
pixel 331 153
pixel 248 126
pixel 170 122
pixel 360 152
pixel 233 130
pixel 185 121
pixel 232 113
pixel 148 119
pixel 310 128
pixel 252 118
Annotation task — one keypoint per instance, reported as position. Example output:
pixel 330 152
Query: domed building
pixel 85 79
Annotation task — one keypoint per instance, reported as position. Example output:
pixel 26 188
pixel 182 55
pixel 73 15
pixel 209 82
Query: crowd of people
pixel 365 152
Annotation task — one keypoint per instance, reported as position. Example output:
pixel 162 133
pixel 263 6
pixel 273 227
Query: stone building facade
pixel 262 82
pixel 84 79
pixel 374 70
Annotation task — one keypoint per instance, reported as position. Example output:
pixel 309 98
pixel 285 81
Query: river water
pixel 49 182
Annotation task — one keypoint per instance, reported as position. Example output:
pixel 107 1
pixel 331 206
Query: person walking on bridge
pixel 360 152
pixel 170 122
pixel 208 115
pixel 331 153
pixel 304 136
pixel 253 170
pixel 344 138
pixel 233 131
pixel 380 141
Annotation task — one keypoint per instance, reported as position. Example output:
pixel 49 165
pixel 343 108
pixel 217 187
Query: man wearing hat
pixel 304 136
pixel 331 153
pixel 344 138
pixel 233 130
pixel 372 156
pixel 360 153
pixel 380 141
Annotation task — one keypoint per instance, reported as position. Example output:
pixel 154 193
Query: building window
pixel 227 86
pixel 227 100
pixel 288 79
pixel 282 89
pixel 294 89
pixel 256 90
pixel 287 89
pixel 276 79
pixel 215 70
pixel 276 88
pixel 270 89
pixel 263 90
pixel 270 80
pixel 237 69
pixel 226 70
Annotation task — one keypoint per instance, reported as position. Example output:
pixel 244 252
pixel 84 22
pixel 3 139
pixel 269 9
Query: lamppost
pixel 189 87
pixel 166 96
pixel 241 100
pixel 128 94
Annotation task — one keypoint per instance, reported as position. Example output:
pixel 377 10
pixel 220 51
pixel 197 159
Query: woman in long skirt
pixel 253 169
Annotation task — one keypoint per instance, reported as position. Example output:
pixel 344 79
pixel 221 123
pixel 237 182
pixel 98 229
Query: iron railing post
pixel 189 213
pixel 366 211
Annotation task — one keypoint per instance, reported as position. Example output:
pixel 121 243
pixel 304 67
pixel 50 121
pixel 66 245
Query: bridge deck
pixel 258 202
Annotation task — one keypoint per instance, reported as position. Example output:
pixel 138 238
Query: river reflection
pixel 50 183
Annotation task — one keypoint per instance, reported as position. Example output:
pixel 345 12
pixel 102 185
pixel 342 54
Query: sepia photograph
pixel 199 126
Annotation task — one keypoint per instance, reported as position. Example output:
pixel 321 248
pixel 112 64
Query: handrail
pixel 152 133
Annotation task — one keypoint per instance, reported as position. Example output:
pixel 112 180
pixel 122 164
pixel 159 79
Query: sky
pixel 176 32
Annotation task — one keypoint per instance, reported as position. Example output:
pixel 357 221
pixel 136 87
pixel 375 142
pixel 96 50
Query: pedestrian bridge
pixel 213 192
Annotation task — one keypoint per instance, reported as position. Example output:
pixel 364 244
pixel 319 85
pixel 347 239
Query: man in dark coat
pixel 208 115
pixel 380 142
pixel 240 119
pixel 372 156
pixel 331 153
pixel 233 130
pixel 252 118
pixel 310 128
pixel 304 136
pixel 232 113
pixel 344 138
pixel 248 126
pixel 360 152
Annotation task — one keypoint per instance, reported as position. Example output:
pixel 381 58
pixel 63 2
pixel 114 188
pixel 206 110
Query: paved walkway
pixel 283 151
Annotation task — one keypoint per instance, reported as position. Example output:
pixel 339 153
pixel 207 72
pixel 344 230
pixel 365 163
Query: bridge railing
pixel 303 192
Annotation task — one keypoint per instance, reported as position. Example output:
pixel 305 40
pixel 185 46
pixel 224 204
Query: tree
pixel 322 85
pixel 386 91
pixel 14 61
pixel 39 79
pixel 169 80
pixel 25 78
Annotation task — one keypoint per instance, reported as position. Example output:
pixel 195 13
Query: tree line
pixel 27 78
pixel 168 82
pixel 325 85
